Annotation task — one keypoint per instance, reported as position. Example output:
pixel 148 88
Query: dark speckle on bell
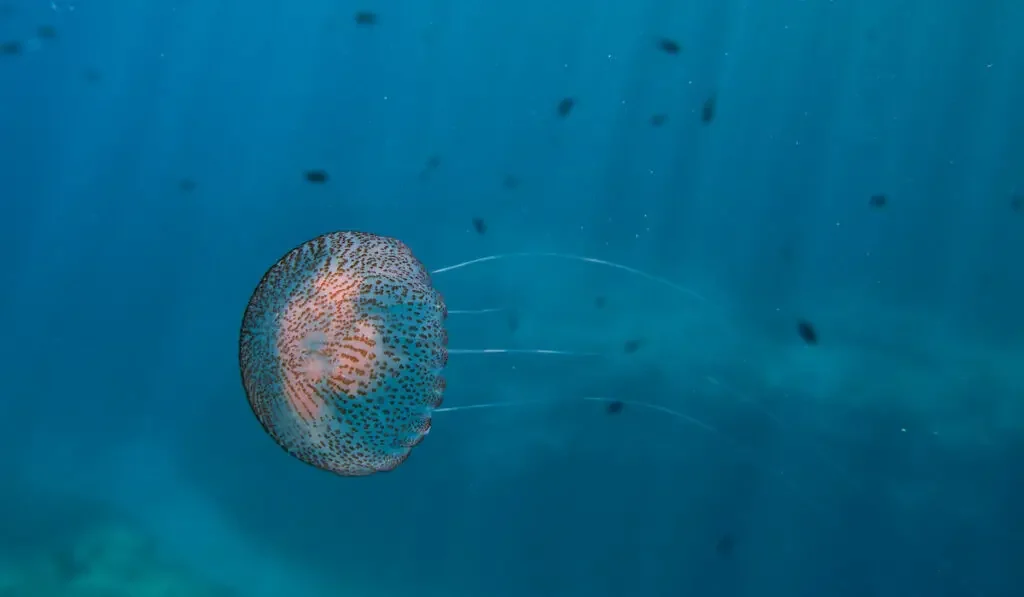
pixel 631 346
pixel 366 18
pixel 10 48
pixel 669 46
pixel 480 225
pixel 615 407
pixel 658 119
pixel 565 107
pixel 725 546
pixel 878 201
pixel 707 111
pixel 807 332
pixel 316 176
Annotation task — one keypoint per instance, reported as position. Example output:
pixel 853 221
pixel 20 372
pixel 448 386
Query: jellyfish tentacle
pixel 475 311
pixel 689 420
pixel 602 399
pixel 583 259
pixel 521 351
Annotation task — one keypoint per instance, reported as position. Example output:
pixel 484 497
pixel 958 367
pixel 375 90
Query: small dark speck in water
pixel 807 332
pixel 787 253
pixel 68 566
pixel 316 176
pixel 669 46
pixel 632 346
pixel 878 201
pixel 658 119
pixel 725 545
pixel 480 225
pixel 10 48
pixel 433 163
pixel 1017 203
pixel 186 185
pixel 92 75
pixel 509 182
pixel 707 112
pixel 565 107
pixel 366 18
pixel 512 320
pixel 600 302
pixel 46 32
pixel 615 407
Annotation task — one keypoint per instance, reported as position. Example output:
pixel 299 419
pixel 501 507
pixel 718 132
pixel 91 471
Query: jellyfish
pixel 343 348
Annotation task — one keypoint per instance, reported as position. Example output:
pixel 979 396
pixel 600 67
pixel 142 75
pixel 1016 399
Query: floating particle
pixel 658 120
pixel 512 321
pixel 807 333
pixel 366 18
pixel 1017 203
pixel 93 75
pixel 316 176
pixel 787 253
pixel 632 346
pixel 878 201
pixel 615 407
pixel 726 544
pixel 600 302
pixel 186 185
pixel 707 111
pixel 509 182
pixel 565 107
pixel 68 565
pixel 480 225
pixel 10 48
pixel 46 32
pixel 432 164
pixel 669 46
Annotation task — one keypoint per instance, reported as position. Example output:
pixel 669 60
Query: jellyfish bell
pixel 342 349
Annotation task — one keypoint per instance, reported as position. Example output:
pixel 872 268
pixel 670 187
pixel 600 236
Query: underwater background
pixel 839 185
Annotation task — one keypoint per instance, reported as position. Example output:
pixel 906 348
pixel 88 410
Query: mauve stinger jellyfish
pixel 343 347
pixel 341 351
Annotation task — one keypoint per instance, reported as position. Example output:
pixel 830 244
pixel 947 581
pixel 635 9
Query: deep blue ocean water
pixel 847 170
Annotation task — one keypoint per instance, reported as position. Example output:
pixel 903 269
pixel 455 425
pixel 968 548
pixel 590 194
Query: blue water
pixel 152 167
